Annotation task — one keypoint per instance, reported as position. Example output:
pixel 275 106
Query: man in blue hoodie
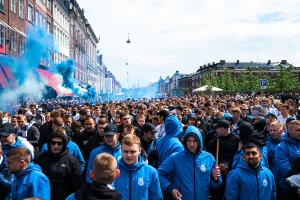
pixel 137 180
pixel 6 178
pixel 169 144
pixel 10 140
pixel 286 153
pixel 250 180
pixel 189 174
pixel 111 145
pixel 29 180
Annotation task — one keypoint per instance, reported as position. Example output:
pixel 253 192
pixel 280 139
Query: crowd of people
pixel 193 147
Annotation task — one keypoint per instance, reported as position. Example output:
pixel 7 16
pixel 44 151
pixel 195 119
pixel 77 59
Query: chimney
pixel 283 62
pixel 237 62
pixel 222 62
pixel 269 62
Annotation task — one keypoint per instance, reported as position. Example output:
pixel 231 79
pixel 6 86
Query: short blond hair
pixel 276 123
pixel 130 140
pixel 104 167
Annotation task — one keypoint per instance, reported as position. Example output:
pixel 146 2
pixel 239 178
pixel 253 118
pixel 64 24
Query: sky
pixel 170 35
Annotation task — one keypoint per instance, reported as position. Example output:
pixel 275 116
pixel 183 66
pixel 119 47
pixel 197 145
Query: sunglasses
pixel 54 143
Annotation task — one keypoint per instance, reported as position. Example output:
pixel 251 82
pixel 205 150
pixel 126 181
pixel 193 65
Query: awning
pixel 13 28
pixel 5 24
pixel 23 34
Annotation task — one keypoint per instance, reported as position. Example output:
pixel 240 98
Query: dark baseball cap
pixel 222 124
pixel 110 130
pixel 149 127
pixel 270 114
pixel 289 119
pixel 7 129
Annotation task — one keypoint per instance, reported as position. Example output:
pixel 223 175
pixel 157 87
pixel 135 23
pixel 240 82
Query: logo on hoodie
pixel 141 181
pixel 203 168
pixel 265 183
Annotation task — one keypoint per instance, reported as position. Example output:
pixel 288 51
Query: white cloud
pixel 170 35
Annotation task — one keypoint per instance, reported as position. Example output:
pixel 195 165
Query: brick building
pixel 73 35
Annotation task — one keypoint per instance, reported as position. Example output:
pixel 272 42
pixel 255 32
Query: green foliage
pixel 248 81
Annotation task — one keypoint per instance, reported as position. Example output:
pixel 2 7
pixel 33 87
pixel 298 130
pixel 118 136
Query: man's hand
pixel 176 194
pixel 216 173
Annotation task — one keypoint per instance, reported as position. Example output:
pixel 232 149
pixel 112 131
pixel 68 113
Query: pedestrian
pixel 250 180
pixel 189 174
pixel 111 145
pixel 6 179
pixel 137 180
pixel 30 133
pixel 10 140
pixel 62 169
pixel 103 173
pixel 29 180
pixel 228 147
pixel 169 143
pixel 286 152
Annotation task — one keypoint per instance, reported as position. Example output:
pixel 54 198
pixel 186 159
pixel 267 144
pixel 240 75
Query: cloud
pixel 182 35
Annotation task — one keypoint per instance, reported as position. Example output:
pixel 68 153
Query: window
pixel 13 5
pixel 21 8
pixel 2 5
pixel 2 39
pixel 49 4
pixel 37 18
pixel 29 13
pixel 13 41
pixel 22 46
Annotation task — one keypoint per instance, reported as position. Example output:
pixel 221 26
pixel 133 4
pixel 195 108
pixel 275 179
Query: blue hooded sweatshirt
pixel 286 153
pixel 238 158
pixel 31 183
pixel 245 183
pixel 6 180
pixel 271 145
pixel 6 148
pixel 169 144
pixel 188 173
pixel 74 150
pixel 138 182
pixel 115 152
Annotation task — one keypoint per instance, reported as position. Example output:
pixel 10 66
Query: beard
pixel 252 163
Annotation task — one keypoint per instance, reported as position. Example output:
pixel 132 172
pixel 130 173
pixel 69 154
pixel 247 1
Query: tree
pixel 286 80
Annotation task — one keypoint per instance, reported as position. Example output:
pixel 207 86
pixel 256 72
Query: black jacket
pixel 97 191
pixel 45 133
pixel 228 147
pixel 93 142
pixel 63 171
pixel 82 139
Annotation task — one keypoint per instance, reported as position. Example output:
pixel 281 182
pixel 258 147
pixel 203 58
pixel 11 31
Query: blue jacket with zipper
pixel 115 152
pixel 169 144
pixel 286 153
pixel 31 183
pixel 245 183
pixel 188 173
pixel 139 181
pixel 238 158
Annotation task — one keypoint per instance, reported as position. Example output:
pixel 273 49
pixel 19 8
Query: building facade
pixel 74 37
pixel 61 31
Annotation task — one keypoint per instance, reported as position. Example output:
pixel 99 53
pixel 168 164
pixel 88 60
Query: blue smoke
pixel 26 84
pixel 66 70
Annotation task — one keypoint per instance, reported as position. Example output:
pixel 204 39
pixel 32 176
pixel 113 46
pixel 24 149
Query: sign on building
pixel 263 84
